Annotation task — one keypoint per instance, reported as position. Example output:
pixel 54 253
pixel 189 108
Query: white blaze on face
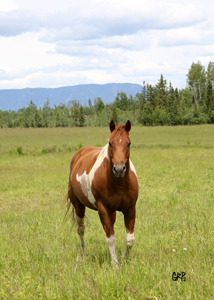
pixel 85 180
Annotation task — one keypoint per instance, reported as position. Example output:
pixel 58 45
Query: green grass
pixel 174 228
pixel 31 138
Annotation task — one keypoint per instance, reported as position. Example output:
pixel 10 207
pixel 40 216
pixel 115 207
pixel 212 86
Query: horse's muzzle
pixel 119 171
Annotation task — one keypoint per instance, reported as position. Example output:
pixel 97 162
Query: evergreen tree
pixel 76 116
pixel 162 93
pixel 47 104
pixel 210 101
pixel 147 115
pixel 142 103
pixel 177 97
pixel 29 115
pixel 45 117
pixel 114 115
pixel 171 99
pixel 89 103
pixel 151 97
pixel 81 117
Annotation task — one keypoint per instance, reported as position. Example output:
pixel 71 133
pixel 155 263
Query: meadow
pixel 174 230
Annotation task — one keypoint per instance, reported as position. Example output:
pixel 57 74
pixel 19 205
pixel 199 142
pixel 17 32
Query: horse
pixel 105 180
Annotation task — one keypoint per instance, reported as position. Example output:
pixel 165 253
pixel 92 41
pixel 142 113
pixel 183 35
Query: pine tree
pixel 76 116
pixel 81 117
pixel 47 104
pixel 171 99
pixel 114 115
pixel 151 97
pixel 162 92
pixel 210 73
pixel 210 101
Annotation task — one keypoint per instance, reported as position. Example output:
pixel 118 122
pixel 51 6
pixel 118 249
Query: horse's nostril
pixel 115 170
pixel 124 169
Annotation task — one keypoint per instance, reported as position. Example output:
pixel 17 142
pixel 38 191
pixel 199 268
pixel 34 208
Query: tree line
pixel 160 104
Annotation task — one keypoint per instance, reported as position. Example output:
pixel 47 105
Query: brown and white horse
pixel 104 179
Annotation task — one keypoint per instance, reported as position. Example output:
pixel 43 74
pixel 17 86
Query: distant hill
pixel 15 99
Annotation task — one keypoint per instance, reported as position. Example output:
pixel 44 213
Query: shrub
pixel 79 146
pixel 20 151
pixel 44 151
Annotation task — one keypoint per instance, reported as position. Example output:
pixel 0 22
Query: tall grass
pixel 174 226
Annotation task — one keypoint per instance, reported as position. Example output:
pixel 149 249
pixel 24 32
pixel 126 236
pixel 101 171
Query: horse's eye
pixel 129 144
pixel 110 144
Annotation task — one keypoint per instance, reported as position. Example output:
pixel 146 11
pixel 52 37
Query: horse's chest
pixel 120 200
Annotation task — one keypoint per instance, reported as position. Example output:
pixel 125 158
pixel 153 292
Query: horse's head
pixel 119 148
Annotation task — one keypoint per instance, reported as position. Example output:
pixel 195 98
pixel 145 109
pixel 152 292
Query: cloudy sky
pixel 53 43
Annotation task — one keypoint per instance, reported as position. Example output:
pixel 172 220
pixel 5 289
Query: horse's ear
pixel 112 125
pixel 128 126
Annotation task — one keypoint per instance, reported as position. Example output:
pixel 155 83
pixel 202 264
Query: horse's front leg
pixel 107 220
pixel 129 219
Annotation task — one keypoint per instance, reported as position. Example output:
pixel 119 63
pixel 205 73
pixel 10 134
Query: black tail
pixel 68 203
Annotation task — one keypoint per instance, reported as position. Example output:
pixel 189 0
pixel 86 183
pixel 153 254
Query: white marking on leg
pixel 85 180
pixel 130 239
pixel 111 245
pixel 80 229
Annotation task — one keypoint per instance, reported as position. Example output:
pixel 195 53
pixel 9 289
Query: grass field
pixel 174 227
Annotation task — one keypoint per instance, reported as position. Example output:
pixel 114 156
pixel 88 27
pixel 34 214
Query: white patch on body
pixel 85 180
pixel 132 168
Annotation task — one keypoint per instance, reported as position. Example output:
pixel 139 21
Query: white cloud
pixel 7 5
pixel 51 43
pixel 96 19
pixel 187 36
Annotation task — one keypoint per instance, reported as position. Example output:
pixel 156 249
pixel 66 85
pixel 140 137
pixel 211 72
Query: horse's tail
pixel 68 202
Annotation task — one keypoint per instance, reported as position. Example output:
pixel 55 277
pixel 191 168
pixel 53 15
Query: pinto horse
pixel 104 179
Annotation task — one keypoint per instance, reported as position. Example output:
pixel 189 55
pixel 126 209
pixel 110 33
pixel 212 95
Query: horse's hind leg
pixel 79 213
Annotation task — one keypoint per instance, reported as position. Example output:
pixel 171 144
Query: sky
pixel 52 43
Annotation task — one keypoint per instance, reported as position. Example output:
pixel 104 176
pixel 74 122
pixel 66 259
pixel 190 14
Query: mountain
pixel 15 99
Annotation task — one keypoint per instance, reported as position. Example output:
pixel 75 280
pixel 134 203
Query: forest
pixel 161 104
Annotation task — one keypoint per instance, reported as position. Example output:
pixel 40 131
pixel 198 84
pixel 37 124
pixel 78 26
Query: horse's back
pixel 87 154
